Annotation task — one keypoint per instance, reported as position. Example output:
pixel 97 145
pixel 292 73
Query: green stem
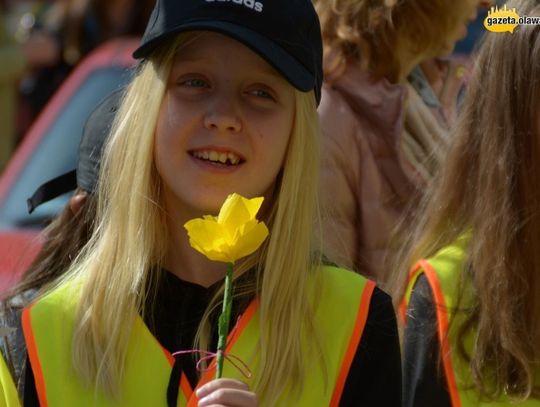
pixel 224 320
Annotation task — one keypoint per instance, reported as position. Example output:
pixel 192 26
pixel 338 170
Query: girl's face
pixel 223 126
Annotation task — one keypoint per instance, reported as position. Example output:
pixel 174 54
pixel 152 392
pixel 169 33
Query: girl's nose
pixel 222 122
pixel 223 116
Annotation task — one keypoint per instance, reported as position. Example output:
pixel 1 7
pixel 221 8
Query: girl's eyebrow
pixel 262 68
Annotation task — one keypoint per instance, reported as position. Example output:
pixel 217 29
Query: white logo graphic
pixel 252 4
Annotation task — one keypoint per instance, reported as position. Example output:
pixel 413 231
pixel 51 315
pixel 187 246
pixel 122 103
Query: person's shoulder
pixel 58 300
pixel 444 268
pixel 338 101
pixel 344 285
pixel 56 306
pixel 330 270
pixel 334 105
pixel 350 111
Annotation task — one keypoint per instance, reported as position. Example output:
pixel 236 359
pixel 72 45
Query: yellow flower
pixel 233 234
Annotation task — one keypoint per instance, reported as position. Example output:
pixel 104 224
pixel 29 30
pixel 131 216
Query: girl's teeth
pixel 215 156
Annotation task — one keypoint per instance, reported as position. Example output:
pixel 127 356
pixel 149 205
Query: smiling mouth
pixel 219 158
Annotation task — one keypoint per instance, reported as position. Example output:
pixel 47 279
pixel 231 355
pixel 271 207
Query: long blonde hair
pixel 123 257
pixel 367 31
pixel 490 185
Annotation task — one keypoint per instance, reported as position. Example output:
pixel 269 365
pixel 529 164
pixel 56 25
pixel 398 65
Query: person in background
pixel 472 333
pixel 63 238
pixel 381 142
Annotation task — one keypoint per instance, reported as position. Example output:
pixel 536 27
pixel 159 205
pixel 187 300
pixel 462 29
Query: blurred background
pixel 41 42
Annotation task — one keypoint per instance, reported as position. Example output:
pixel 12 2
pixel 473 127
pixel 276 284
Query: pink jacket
pixel 365 182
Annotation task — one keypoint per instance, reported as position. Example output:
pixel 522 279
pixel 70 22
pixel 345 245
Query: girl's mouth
pixel 218 158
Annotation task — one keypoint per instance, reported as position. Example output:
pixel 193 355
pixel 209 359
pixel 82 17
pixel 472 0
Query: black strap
pixel 174 382
pixel 52 189
pixel 30 395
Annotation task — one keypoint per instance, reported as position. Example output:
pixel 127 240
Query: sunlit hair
pixel 490 186
pixel 124 256
pixel 369 31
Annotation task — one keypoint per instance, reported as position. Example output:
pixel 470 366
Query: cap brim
pixel 276 56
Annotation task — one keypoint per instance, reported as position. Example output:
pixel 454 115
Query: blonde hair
pixel 489 184
pixel 122 260
pixel 368 32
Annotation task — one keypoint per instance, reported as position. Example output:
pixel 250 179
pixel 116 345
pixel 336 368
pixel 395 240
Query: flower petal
pixel 206 235
pixel 237 210
pixel 253 205
pixel 233 212
pixel 250 241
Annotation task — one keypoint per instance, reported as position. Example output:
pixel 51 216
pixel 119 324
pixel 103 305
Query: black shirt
pixel 375 374
pixel 424 382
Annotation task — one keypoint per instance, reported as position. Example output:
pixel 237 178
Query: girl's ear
pixel 77 201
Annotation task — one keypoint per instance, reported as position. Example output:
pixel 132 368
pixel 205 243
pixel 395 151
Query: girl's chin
pixel 449 45
pixel 210 202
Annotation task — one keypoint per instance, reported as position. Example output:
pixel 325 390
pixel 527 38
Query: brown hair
pixel 367 31
pixel 490 184
pixel 64 238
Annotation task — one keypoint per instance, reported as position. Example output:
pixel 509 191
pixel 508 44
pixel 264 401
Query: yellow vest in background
pixel 443 273
pixel 341 313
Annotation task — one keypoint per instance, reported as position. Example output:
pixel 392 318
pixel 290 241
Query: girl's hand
pixel 226 393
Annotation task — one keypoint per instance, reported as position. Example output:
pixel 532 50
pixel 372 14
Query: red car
pixel 50 149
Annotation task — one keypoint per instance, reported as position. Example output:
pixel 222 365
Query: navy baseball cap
pixel 95 132
pixel 286 33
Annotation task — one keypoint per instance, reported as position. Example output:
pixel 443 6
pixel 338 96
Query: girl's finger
pixel 219 384
pixel 230 398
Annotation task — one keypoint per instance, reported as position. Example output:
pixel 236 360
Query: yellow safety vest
pixel 8 392
pixel 341 313
pixel 443 272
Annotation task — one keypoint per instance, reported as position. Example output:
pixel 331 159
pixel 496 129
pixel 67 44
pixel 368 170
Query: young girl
pixel 474 302
pixel 224 101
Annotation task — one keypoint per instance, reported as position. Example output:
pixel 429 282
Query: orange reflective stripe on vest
pixel 48 326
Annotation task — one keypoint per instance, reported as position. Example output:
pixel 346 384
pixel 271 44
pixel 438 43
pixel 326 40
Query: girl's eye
pixel 261 93
pixel 194 83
